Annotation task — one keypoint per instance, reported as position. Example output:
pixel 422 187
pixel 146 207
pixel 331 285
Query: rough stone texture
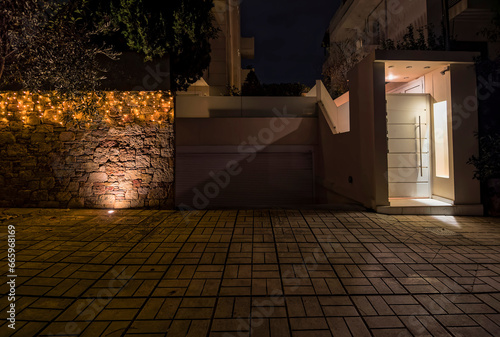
pixel 105 167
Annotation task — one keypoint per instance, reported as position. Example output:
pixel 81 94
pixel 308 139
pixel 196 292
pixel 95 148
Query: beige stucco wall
pixel 236 131
pixel 244 106
pixel 439 87
pixel 458 87
pixel 360 153
pixel 465 124
pixel 247 135
pixel 225 67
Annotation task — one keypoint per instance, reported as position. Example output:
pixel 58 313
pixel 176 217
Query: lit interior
pixel 441 155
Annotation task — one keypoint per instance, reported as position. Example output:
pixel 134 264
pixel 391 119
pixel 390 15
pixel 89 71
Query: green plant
pixel 492 32
pixel 179 29
pixel 233 91
pixel 488 163
pixel 423 38
pixel 342 58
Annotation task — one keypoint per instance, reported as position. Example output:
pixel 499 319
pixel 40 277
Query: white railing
pixel 336 112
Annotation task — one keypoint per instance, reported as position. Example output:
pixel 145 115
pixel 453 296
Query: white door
pixel 408 132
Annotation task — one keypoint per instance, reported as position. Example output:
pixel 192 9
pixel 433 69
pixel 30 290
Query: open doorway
pixel 409 151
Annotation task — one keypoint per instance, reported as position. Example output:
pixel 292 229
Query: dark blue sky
pixel 288 36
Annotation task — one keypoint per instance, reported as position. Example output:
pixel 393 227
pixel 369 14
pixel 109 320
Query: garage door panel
pixel 267 179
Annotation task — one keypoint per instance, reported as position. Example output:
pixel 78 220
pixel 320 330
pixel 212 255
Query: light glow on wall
pixel 441 148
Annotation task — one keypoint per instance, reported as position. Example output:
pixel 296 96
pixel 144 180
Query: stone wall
pixel 46 164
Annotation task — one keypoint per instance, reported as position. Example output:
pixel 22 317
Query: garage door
pixel 208 180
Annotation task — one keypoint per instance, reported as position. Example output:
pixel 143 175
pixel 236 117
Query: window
pixel 441 151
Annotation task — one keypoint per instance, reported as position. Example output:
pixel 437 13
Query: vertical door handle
pixel 420 142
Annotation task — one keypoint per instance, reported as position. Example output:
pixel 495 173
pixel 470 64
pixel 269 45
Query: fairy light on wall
pixel 118 108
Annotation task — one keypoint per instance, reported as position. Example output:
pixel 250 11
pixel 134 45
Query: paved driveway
pixel 258 272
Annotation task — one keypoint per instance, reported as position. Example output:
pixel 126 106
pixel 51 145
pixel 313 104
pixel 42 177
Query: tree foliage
pixel 55 45
pixel 44 46
pixel 253 87
pixel 487 165
pixel 492 33
pixel 179 29
pixel 343 56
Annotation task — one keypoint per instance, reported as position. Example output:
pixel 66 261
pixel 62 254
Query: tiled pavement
pixel 252 272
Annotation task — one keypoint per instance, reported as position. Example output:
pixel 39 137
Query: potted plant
pixel 488 170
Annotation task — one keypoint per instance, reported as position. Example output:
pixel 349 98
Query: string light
pixel 114 107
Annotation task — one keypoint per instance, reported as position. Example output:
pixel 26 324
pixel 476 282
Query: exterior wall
pixel 392 16
pixel 236 131
pixel 439 87
pixel 465 124
pixel 361 153
pixel 468 18
pixel 225 67
pixel 381 170
pixel 273 155
pixel 368 21
pixel 44 163
pixel 241 106
pixel 410 12
pixel 217 74
pixel 458 87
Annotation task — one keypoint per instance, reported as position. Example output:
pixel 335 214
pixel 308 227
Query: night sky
pixel 288 36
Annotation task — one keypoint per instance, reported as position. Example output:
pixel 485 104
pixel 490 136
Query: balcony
pixel 471 10
pixel 247 49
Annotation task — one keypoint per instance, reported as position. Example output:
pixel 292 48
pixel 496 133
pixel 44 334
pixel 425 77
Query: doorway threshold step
pixel 476 210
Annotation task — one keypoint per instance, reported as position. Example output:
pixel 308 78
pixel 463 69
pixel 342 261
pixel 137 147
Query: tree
pixel 284 89
pixel 492 33
pixel 252 86
pixel 14 16
pixel 343 56
pixel 179 29
pixel 61 40
pixel 44 46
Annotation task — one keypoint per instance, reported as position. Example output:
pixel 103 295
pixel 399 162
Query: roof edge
pixel 425 55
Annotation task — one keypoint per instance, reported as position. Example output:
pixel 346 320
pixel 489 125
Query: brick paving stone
pixel 276 273
pixel 29 329
pixel 456 320
pixel 338 326
pixel 378 322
